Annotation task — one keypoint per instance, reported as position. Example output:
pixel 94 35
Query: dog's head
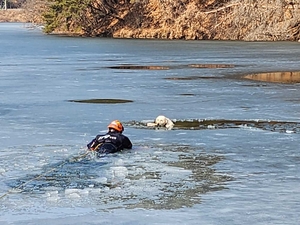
pixel 161 121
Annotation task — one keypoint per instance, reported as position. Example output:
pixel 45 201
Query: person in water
pixel 111 142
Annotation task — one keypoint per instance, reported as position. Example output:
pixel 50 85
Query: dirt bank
pixel 245 20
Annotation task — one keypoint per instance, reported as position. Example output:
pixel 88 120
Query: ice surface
pixel 215 174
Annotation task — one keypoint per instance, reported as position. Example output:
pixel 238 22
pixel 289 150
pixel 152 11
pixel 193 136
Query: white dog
pixel 162 121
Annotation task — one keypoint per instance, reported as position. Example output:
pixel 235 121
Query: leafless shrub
pixel 249 20
pixel 263 20
pixel 34 10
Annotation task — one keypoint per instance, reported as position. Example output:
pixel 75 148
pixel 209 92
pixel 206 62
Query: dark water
pixel 232 157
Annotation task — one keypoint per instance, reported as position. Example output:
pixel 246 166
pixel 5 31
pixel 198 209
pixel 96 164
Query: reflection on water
pixel 134 67
pixel 191 78
pixel 280 77
pixel 156 67
pixel 151 181
pixel 102 101
pixel 211 66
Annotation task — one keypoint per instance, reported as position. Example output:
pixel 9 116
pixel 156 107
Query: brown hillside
pixel 250 20
pixel 211 19
pixel 13 15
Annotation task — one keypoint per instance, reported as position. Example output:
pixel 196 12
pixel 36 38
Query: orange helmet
pixel 116 125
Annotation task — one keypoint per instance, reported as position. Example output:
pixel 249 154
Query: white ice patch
pixel 118 172
pixel 83 192
pixel 2 171
pixel 52 196
pixel 289 131
pixel 71 191
pixel 101 180
pixel 74 195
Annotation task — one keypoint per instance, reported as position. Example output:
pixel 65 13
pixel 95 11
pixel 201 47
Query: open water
pixel 235 158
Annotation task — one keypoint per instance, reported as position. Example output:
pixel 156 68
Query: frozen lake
pixel 234 160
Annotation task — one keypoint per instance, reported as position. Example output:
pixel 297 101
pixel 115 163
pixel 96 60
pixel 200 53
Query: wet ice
pixel 216 175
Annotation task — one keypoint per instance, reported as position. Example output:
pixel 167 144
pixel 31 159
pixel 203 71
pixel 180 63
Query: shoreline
pixel 21 16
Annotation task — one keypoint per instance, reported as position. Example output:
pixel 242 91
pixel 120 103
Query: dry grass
pixel 249 20
pixel 34 10
pixel 13 15
pixel 263 20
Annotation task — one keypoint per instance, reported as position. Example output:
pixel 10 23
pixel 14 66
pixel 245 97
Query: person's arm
pixel 95 143
pixel 126 143
pixel 92 144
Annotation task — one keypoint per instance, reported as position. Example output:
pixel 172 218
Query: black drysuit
pixel 110 142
